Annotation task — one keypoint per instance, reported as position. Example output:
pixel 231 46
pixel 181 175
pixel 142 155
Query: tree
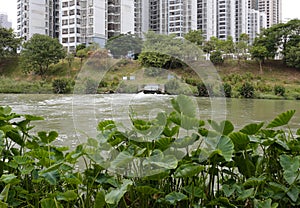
pixel 121 45
pixel 292 56
pixel 242 47
pixel 8 43
pixel 259 53
pixel 80 47
pixel 39 53
pixel 82 54
pixel 195 36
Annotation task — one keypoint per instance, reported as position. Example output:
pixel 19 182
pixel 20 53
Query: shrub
pixel 91 86
pixel 227 90
pixel 279 90
pixel 153 71
pixel 246 90
pixel 61 86
pixel 191 81
pixel 204 90
pixel 216 57
pixel 172 86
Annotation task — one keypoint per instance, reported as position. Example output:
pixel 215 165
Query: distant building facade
pixel 4 21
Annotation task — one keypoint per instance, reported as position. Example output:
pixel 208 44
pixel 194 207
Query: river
pixel 75 117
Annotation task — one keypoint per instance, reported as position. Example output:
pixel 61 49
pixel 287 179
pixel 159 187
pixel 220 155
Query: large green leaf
pixel 106 125
pixel 122 160
pixel 293 193
pixel 158 159
pixel 115 195
pixel 240 140
pixel 100 199
pixel 246 194
pixel 251 129
pixel 147 190
pixel 4 193
pixel 245 165
pixel 282 119
pixel 3 205
pixel 9 179
pixel 188 170
pixel 175 197
pixel 290 166
pixel 264 204
pixel 52 177
pixel 184 105
pixel 69 195
pixel 48 202
pixel 225 127
pixel 163 143
pixel 221 145
pixel 194 191
pixel 226 146
pixel 228 190
pixel 47 138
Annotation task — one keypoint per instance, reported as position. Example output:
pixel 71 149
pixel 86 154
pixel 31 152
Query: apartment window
pixel 72 30
pixel 65 4
pixel 72 21
pixel 64 22
pixel 91 21
pixel 65 31
pixel 65 40
pixel 72 39
pixel 65 13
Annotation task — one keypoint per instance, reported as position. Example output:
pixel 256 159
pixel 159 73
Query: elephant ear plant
pixel 174 160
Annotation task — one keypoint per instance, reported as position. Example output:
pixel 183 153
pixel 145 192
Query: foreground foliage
pixel 174 160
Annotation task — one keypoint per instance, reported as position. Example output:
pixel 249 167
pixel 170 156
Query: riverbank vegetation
pixel 247 70
pixel 174 160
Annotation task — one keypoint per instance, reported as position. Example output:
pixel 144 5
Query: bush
pixel 227 90
pixel 216 57
pixel 246 90
pixel 204 90
pixel 153 71
pixel 91 86
pixel 61 86
pixel 279 90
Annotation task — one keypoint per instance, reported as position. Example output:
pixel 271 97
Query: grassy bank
pixel 276 82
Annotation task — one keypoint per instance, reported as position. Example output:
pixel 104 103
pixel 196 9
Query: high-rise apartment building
pixel 37 16
pixel 223 18
pixel 173 16
pixel 4 21
pixel 272 9
pixel 91 21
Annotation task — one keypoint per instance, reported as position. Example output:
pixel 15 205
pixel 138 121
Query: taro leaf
pixel 163 143
pixel 290 166
pixel 293 193
pixel 184 105
pixel 225 127
pixel 106 125
pixel 100 199
pixel 51 177
pixel 147 190
pixel 194 190
pixel 246 194
pixel 298 132
pixel 251 129
pixel 228 190
pixel 9 179
pixel 158 176
pixel 115 195
pixel 73 179
pixel 264 204
pixel 22 160
pixel 282 119
pixel 122 160
pixel 240 140
pixel 245 166
pixel 15 136
pixel 161 160
pixel 183 142
pixel 226 146
pixel 254 182
pixel 221 201
pixel 54 167
pixel 189 123
pixel 188 170
pixel 5 110
pixel 4 193
pixel 278 186
pixel 69 195
pixel 46 203
pixel 47 139
pixel 174 197
pixel 171 132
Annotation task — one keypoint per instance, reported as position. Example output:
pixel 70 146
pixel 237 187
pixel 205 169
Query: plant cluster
pixel 174 160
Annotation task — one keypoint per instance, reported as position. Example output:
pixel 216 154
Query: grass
pixel 13 80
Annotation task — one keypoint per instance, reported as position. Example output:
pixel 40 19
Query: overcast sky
pixel 291 9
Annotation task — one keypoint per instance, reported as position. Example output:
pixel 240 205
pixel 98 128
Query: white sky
pixel 291 9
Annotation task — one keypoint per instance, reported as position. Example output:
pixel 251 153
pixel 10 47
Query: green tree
pixel 292 56
pixel 39 53
pixel 80 47
pixel 82 54
pixel 8 43
pixel 259 53
pixel 195 36
pixel 242 47
pixel 121 45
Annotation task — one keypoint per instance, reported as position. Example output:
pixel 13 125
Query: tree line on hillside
pixel 158 50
